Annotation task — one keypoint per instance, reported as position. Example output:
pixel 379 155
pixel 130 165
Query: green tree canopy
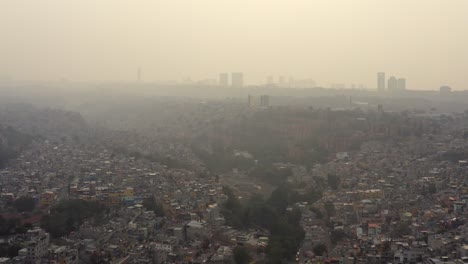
pixel 24 204
pixel 68 215
pixel 320 249
pixel 272 214
pixel 151 204
pixel 333 181
pixel 241 255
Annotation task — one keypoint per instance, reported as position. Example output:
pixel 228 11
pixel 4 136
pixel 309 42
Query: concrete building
pixel 62 254
pixel 392 84
pixel 223 79
pixel 401 84
pixel 37 246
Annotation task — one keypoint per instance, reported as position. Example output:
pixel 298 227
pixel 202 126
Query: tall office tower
pixel 401 83
pixel 237 79
pixel 223 79
pixel 381 81
pixel 392 84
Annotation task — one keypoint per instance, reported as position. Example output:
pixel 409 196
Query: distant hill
pixel 45 122
pixel 21 123
pixel 12 142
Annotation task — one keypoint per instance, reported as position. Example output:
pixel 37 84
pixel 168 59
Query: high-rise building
pixel 224 79
pixel 237 79
pixel 401 84
pixel 392 84
pixel 381 81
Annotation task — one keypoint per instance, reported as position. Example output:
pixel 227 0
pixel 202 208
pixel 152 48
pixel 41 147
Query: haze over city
pixel 233 131
pixel 329 41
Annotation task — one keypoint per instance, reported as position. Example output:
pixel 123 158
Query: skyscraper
pixel 223 79
pixel 381 81
pixel 401 83
pixel 237 79
pixel 392 85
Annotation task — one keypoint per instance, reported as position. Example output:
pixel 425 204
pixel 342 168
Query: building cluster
pixel 291 82
pixel 237 79
pixel 192 229
pixel 392 85
pixel 37 248
pixel 397 203
pixel 397 200
pixel 262 101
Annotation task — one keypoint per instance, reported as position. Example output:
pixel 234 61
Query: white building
pixel 38 245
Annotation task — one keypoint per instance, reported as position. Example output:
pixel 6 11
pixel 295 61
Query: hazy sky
pixel 341 41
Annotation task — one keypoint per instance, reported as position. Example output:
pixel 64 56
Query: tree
pixel 317 212
pixel 232 209
pixel 319 182
pixel 8 225
pixel 68 215
pixel 24 204
pixel 432 188
pixel 150 204
pixel 284 225
pixel 13 250
pixel 241 255
pixel 402 228
pixel 15 142
pixel 279 199
pixel 329 208
pixel 206 244
pixel 333 181
pixel 336 236
pixel 271 174
pixel 319 249
pixel 275 251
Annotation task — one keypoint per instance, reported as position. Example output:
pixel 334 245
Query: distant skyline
pixel 329 41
